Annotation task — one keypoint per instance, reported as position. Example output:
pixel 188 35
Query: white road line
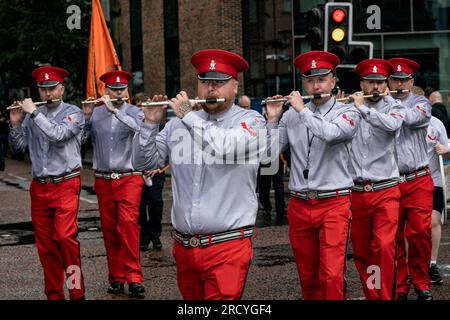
pixel 88 201
pixel 25 179
pixel 17 177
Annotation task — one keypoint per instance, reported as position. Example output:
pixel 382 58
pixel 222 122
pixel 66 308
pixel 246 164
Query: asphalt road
pixel 272 276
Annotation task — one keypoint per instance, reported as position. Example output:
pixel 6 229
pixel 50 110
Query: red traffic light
pixel 338 15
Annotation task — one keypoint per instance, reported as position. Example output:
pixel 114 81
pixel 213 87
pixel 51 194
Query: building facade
pixel 155 39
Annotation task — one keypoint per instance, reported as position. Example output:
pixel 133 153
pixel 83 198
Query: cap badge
pixel 118 79
pixel 375 69
pixel 46 77
pixel 399 68
pixel 313 64
pixel 212 65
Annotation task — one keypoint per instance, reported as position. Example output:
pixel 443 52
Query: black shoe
pixel 116 288
pixel 136 290
pixel 424 295
pixel 435 276
pixel 157 245
pixel 144 247
pixel 402 296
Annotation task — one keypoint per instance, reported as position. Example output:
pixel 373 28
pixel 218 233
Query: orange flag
pixel 102 55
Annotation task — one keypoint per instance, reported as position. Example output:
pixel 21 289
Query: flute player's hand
pixel 155 114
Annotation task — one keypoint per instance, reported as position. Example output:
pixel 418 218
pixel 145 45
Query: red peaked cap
pixel 374 69
pixel 214 63
pixel 116 79
pixel 48 76
pixel 403 68
pixel 316 63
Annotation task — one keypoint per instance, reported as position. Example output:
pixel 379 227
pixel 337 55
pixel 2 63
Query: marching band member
pixel 52 134
pixel 118 186
pixel 376 195
pixel 213 184
pixel 319 135
pixel 416 187
pixel 437 145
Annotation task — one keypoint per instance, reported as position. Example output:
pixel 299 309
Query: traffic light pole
pixel 339 17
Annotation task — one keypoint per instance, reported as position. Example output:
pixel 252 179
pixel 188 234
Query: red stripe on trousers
pixel 54 209
pixel 374 226
pixel 414 225
pixel 216 272
pixel 118 202
pixel 318 231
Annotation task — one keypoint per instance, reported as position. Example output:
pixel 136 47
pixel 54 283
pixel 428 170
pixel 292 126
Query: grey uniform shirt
pixel 333 126
pixel 373 147
pixel 436 133
pixel 209 194
pixel 53 138
pixel 112 136
pixel 411 141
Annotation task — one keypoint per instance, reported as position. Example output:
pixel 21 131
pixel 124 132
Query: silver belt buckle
pixel 194 242
pixel 368 187
pixel 115 175
pixel 311 195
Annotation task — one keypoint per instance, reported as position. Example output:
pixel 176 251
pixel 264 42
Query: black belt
pixel 194 241
pixel 57 179
pixel 116 175
pixel 375 186
pixel 310 195
pixel 421 172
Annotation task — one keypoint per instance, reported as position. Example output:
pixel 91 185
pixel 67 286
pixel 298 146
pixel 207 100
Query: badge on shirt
pixel 398 115
pixel 421 107
pixel 74 118
pixel 248 128
pixel 349 119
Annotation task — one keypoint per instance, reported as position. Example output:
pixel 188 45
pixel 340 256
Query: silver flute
pixel 192 101
pixel 35 103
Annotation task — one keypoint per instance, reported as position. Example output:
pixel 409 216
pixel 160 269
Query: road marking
pixel 24 179
pixel 88 201
pixel 17 177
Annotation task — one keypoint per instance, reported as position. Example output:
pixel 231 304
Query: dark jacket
pixel 439 111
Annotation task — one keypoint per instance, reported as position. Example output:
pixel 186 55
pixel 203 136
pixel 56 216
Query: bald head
pixel 245 102
pixel 435 97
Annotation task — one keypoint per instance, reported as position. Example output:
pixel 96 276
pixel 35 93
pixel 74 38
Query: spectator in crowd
pixel 439 110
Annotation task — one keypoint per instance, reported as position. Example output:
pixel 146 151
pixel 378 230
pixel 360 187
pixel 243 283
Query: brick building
pixel 156 38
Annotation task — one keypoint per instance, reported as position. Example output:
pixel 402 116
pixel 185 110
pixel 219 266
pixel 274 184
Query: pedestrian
pixel 52 134
pixel 319 135
pixel 152 204
pixel 437 145
pixel 265 182
pixel 214 199
pixel 111 127
pixel 439 110
pixel 245 102
pixel 376 195
pixel 151 210
pixel 416 187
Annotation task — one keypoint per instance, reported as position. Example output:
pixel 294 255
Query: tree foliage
pixel 35 32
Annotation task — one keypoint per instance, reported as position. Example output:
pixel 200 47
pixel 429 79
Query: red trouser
pixel 216 272
pixel 54 209
pixel 318 231
pixel 374 226
pixel 414 224
pixel 118 202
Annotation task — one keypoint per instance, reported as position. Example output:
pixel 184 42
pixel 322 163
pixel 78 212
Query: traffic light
pixel 338 35
pixel 337 25
pixel 314 27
